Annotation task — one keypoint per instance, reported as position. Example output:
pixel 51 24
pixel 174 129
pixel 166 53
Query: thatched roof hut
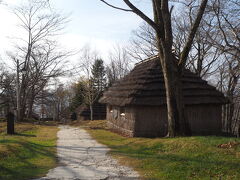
pixel 99 112
pixel 136 105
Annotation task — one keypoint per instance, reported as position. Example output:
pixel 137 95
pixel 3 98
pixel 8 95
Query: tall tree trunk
pixel 30 103
pixel 184 126
pixel 22 113
pixel 30 110
pixel 58 109
pixel 91 111
pixel 178 124
pixel 177 121
pixel 18 93
pixel 23 99
pixel 30 106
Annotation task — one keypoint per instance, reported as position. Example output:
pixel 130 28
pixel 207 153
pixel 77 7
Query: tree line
pixel 96 76
pixel 36 58
pixel 203 37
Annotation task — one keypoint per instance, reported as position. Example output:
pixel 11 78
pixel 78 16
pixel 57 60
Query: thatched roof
pixel 144 85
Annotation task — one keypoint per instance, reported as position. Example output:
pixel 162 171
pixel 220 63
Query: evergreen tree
pixel 98 76
pixel 78 99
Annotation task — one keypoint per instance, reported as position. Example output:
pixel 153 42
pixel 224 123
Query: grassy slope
pixel 30 153
pixel 173 158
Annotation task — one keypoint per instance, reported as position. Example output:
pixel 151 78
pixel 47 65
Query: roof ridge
pixel 146 60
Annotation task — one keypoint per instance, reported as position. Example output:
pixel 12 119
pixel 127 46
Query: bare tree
pixel 60 100
pixel 143 43
pixel 6 98
pixel 171 67
pixel 120 64
pixel 7 82
pixel 4 82
pixel 203 56
pixel 87 58
pixel 228 77
pixel 38 57
pixel 52 103
pixel 45 66
pixel 226 15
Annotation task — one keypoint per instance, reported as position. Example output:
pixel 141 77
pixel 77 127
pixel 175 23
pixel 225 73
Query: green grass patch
pixel 30 153
pixel 178 158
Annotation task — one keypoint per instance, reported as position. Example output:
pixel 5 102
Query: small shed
pixel 136 105
pixel 99 112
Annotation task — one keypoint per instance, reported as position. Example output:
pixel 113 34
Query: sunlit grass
pixel 30 153
pixel 173 158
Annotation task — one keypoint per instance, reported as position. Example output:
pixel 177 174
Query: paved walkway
pixel 81 157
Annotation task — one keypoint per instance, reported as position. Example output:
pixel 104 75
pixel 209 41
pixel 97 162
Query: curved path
pixel 81 157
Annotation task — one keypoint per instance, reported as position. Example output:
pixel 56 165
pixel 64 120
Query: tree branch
pixel 115 7
pixel 158 18
pixel 187 47
pixel 166 15
pixel 142 15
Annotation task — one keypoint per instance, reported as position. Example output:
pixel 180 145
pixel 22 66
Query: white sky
pixel 91 22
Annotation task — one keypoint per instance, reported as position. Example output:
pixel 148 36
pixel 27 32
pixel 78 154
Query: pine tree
pixel 78 99
pixel 98 76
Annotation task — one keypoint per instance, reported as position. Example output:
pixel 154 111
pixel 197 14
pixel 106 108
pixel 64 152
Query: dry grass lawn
pixel 30 153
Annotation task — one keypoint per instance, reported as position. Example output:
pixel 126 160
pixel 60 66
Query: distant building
pixel 136 105
pixel 99 112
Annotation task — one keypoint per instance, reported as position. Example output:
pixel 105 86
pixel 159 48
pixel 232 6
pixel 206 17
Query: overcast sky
pixel 91 22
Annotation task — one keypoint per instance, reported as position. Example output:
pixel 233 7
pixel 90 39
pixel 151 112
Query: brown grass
pixel 30 153
pixel 19 127
pixel 96 124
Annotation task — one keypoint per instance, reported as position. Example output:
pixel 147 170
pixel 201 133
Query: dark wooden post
pixel 10 123
pixel 74 116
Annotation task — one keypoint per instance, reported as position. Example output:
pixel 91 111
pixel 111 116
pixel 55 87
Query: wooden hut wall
pixel 151 121
pixel 205 119
pixel 121 120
